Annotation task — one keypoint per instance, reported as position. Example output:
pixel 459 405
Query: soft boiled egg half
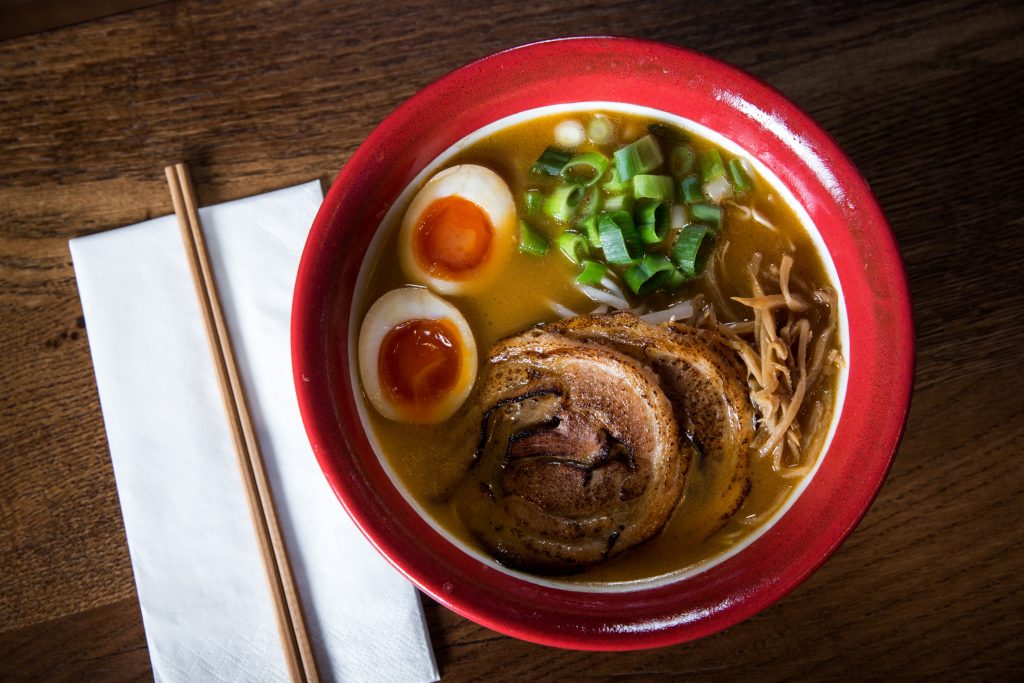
pixel 459 230
pixel 417 357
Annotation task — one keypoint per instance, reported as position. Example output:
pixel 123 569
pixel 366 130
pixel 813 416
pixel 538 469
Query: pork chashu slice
pixel 579 456
pixel 706 382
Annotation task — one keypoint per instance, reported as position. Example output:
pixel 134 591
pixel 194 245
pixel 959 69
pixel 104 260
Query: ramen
pixel 599 346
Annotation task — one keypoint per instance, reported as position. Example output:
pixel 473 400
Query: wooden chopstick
pixel 291 627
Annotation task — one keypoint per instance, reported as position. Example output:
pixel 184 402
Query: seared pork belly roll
pixel 579 457
pixel 706 383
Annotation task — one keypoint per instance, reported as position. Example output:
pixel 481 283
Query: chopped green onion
pixel 585 169
pixel 638 157
pixel 562 202
pixel 676 279
pixel 531 241
pixel 614 185
pixel 534 198
pixel 691 190
pixel 569 134
pixel 619 241
pixel 678 216
pixel 648 274
pixel 711 165
pixel 652 217
pixel 619 202
pixel 666 132
pixel 600 130
pixel 707 213
pixel 718 189
pixel 551 161
pixel 590 202
pixel 589 227
pixel 573 245
pixel 681 160
pixel 653 187
pixel 738 174
pixel 686 253
pixel 592 272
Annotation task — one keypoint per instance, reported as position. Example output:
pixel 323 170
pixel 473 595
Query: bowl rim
pixel 722 595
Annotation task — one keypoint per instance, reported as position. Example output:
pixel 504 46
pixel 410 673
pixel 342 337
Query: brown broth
pixel 430 459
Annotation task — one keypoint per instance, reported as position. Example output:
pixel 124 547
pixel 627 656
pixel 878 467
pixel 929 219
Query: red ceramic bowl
pixel 822 180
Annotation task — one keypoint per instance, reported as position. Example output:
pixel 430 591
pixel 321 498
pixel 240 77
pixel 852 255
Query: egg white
pixel 487 190
pixel 393 309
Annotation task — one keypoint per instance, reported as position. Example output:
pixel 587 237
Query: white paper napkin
pixel 205 602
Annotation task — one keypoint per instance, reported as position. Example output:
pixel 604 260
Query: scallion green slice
pixel 711 165
pixel 666 132
pixel 534 199
pixel 681 160
pixel 585 169
pixel 589 227
pixel 686 252
pixel 600 130
pixel 638 157
pixel 648 274
pixel 614 185
pixel 573 245
pixel 619 202
pixel 679 216
pixel 532 242
pixel 590 202
pixel 562 202
pixel 675 280
pixel 657 187
pixel 592 273
pixel 718 190
pixel 551 161
pixel 707 213
pixel 738 175
pixel 690 189
pixel 619 241
pixel 652 218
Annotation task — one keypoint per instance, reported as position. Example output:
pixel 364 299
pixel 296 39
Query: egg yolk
pixel 419 362
pixel 453 238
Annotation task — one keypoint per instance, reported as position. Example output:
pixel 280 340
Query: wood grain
pixel 24 17
pixel 924 98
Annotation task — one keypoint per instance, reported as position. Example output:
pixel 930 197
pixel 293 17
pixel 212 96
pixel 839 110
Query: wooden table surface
pixel 925 97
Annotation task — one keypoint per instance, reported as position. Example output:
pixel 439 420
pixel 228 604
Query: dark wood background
pixel 926 98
